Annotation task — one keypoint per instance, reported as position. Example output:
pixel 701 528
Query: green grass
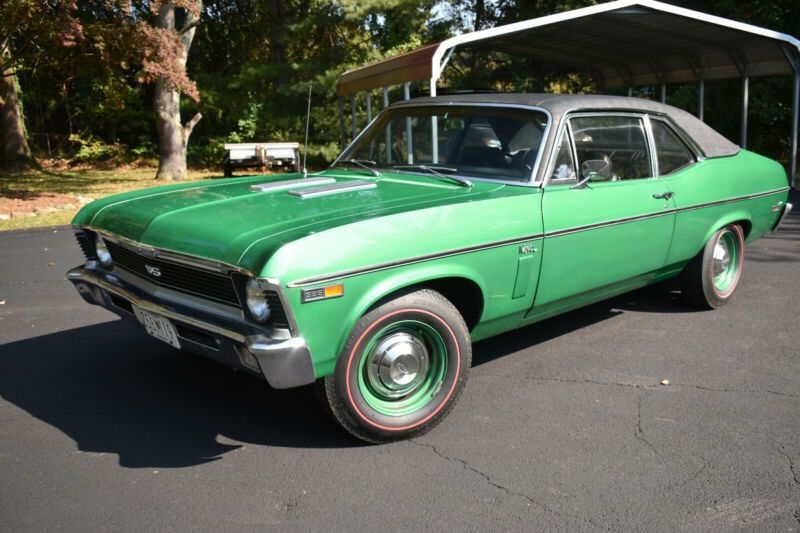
pixel 49 219
pixel 92 183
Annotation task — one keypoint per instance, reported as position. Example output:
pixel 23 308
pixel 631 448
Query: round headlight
pixel 103 254
pixel 256 301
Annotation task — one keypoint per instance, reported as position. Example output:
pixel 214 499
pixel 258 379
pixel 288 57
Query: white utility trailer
pixel 264 156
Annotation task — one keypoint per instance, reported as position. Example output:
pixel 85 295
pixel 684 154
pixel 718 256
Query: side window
pixel 617 144
pixel 564 167
pixel 671 153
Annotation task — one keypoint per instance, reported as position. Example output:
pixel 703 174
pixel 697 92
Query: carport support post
pixel 409 146
pixel 353 114
pixel 701 104
pixel 369 107
pixel 795 113
pixel 745 105
pixel 388 127
pixel 434 129
pixel 663 93
pixel 342 131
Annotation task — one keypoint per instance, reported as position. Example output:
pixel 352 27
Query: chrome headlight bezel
pixel 102 253
pixel 257 304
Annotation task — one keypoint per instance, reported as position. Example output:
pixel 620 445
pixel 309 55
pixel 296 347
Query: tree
pixel 114 43
pixel 16 153
pixel 173 137
pixel 55 30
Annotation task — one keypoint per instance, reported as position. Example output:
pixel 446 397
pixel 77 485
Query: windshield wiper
pixel 359 163
pixel 437 171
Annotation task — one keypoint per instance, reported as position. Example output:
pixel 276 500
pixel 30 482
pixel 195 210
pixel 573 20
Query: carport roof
pixel 620 44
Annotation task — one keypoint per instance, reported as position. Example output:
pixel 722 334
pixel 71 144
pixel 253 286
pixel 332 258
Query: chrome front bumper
pixel 284 362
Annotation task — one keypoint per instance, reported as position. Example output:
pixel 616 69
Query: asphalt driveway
pixel 563 425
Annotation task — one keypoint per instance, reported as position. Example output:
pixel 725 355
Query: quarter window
pixel 671 153
pixel 618 140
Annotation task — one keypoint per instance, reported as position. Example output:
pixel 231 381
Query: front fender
pixel 327 324
pixel 408 277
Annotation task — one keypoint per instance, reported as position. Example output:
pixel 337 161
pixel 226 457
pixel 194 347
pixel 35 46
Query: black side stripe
pixel 731 200
pixel 587 227
pixel 409 261
pixel 429 257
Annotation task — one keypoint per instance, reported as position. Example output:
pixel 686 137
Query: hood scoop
pixel 288 184
pixel 336 188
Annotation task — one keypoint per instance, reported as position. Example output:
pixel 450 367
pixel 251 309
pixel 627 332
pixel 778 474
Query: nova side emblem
pixel 527 249
pixel 153 271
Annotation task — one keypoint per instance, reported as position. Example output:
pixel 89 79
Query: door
pixel 606 231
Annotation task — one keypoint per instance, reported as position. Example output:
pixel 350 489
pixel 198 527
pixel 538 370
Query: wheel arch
pixel 464 293
pixel 739 217
pixel 463 287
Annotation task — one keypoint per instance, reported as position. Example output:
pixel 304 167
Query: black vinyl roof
pixel 710 142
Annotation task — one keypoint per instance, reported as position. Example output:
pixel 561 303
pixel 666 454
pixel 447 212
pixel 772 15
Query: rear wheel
pixel 402 369
pixel 710 279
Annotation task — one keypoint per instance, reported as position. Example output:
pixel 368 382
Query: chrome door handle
pixel 664 195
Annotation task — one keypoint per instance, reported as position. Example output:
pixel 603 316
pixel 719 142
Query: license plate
pixel 158 326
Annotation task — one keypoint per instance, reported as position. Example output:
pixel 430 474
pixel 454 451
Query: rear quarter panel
pixel 728 184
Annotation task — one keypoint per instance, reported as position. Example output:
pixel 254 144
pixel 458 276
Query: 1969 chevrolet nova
pixel 448 220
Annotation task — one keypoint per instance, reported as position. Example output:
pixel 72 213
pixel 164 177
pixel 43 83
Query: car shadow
pixel 659 298
pixel 114 390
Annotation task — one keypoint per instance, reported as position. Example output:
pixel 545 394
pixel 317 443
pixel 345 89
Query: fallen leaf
pixel 51 264
pixel 2 302
pixel 665 382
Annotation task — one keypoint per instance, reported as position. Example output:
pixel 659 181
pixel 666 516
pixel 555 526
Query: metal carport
pixel 625 43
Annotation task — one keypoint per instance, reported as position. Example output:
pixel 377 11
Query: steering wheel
pixel 524 159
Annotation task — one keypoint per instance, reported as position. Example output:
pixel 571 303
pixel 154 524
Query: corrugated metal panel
pixel 411 66
pixel 620 43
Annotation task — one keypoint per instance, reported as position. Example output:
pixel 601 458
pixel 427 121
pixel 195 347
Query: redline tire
pixel 378 400
pixel 711 278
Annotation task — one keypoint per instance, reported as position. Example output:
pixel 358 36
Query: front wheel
pixel 710 279
pixel 402 369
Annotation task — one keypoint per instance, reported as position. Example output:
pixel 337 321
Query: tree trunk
pixel 277 44
pixel 15 151
pixel 173 138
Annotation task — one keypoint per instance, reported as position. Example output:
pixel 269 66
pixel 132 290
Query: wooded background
pixel 95 79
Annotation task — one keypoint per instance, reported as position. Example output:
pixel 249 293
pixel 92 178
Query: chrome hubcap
pixel 398 365
pixel 722 258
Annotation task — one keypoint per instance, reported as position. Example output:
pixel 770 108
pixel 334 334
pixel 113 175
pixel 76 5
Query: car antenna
pixel 308 121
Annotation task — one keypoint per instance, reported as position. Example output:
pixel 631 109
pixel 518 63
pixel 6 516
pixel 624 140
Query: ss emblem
pixel 153 271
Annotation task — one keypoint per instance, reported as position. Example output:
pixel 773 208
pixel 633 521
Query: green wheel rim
pixel 725 261
pixel 402 367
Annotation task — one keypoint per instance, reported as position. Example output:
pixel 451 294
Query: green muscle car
pixel 447 220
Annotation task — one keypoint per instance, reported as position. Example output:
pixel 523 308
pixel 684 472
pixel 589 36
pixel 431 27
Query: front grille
pixel 86 244
pixel 277 313
pixel 179 277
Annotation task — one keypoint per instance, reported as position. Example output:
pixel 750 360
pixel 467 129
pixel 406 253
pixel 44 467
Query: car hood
pixel 228 221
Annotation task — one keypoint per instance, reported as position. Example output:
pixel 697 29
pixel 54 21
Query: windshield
pixel 471 141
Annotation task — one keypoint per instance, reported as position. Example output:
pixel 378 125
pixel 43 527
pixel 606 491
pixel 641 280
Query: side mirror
pixel 594 170
pixel 598 169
